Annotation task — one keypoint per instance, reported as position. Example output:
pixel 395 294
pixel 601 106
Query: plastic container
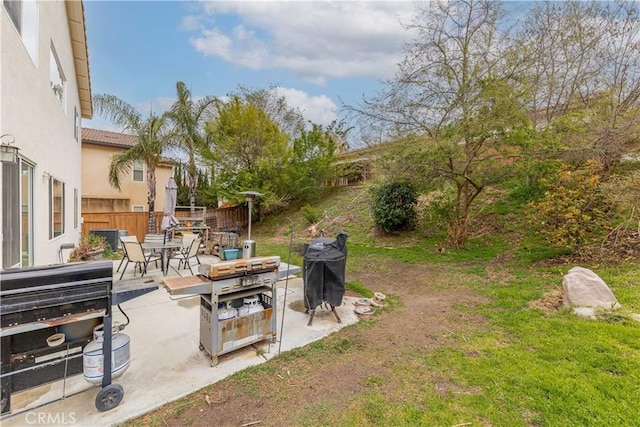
pixel 229 254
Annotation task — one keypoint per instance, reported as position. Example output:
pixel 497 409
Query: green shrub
pixel 90 247
pixel 393 206
pixel 311 215
pixel 573 210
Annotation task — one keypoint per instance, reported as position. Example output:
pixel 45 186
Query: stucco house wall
pixel 98 146
pixel 46 131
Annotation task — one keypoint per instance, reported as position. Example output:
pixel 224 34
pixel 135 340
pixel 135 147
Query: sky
pixel 320 54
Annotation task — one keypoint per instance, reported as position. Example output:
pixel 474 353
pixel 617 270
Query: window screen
pixel 138 171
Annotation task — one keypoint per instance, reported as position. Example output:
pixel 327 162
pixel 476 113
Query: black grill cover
pixel 324 271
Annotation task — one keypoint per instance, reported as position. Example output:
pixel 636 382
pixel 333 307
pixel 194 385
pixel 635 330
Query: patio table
pixel 165 249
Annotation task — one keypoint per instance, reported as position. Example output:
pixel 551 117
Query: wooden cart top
pixel 192 284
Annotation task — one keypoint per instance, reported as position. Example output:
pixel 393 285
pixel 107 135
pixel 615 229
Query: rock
pixel 584 288
pixel 586 312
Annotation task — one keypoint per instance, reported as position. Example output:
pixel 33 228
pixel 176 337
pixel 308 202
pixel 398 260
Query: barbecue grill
pixel 38 302
pixel 324 273
pixel 231 282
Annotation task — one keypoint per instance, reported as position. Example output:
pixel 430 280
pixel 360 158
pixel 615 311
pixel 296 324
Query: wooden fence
pixel 136 223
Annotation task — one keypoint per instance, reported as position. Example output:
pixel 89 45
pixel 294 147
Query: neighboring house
pixel 44 91
pixel 355 166
pixel 98 196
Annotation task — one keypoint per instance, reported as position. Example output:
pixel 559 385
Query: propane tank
pixel 93 359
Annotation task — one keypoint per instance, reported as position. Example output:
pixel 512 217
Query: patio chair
pixel 185 255
pixel 61 252
pixel 124 250
pixel 187 238
pixel 157 238
pixel 136 255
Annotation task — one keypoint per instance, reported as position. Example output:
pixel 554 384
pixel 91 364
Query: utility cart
pixel 227 286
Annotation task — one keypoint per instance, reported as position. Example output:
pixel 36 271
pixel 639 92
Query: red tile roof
pixel 103 137
pixel 227 205
pixel 114 139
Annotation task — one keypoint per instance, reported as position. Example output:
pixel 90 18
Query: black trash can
pixel 323 271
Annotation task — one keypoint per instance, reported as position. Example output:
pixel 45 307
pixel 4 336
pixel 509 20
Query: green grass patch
pixel 516 366
pixel 419 254
pixel 359 288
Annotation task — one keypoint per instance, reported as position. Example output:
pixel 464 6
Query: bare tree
pixel 615 112
pixel 558 46
pixel 453 101
pixel 581 64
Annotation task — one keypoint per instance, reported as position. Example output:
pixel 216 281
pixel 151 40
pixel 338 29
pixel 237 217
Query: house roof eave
pixel 78 33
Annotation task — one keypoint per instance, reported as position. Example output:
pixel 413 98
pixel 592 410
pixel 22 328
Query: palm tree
pixel 188 117
pixel 154 136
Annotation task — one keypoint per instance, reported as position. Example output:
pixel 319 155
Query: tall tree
pixel 581 65
pixel 454 100
pixel 249 151
pixel 189 117
pixel 274 104
pixel 558 42
pixel 153 134
pixel 615 112
pixel 312 162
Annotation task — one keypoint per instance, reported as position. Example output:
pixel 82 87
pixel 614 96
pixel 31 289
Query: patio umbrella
pixel 171 193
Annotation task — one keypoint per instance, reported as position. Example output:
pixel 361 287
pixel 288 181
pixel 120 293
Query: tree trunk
pixel 151 198
pixel 192 186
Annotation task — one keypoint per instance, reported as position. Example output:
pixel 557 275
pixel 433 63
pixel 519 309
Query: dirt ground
pixel 432 311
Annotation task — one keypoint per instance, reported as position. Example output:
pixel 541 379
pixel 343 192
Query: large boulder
pixel 585 289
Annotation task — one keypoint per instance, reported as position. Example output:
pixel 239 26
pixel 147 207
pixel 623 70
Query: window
pixel 24 16
pixel 137 208
pixel 138 171
pixel 56 208
pixel 56 76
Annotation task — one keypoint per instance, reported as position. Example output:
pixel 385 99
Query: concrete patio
pixel 166 363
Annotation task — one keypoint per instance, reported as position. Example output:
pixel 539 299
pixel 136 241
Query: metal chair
pixel 65 247
pixel 155 238
pixel 186 255
pixel 124 250
pixel 136 254
pixel 187 238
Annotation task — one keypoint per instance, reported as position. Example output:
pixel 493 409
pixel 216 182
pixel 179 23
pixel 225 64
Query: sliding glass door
pixel 26 196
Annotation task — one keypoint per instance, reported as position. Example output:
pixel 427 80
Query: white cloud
pixel 157 105
pixel 315 40
pixel 318 109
